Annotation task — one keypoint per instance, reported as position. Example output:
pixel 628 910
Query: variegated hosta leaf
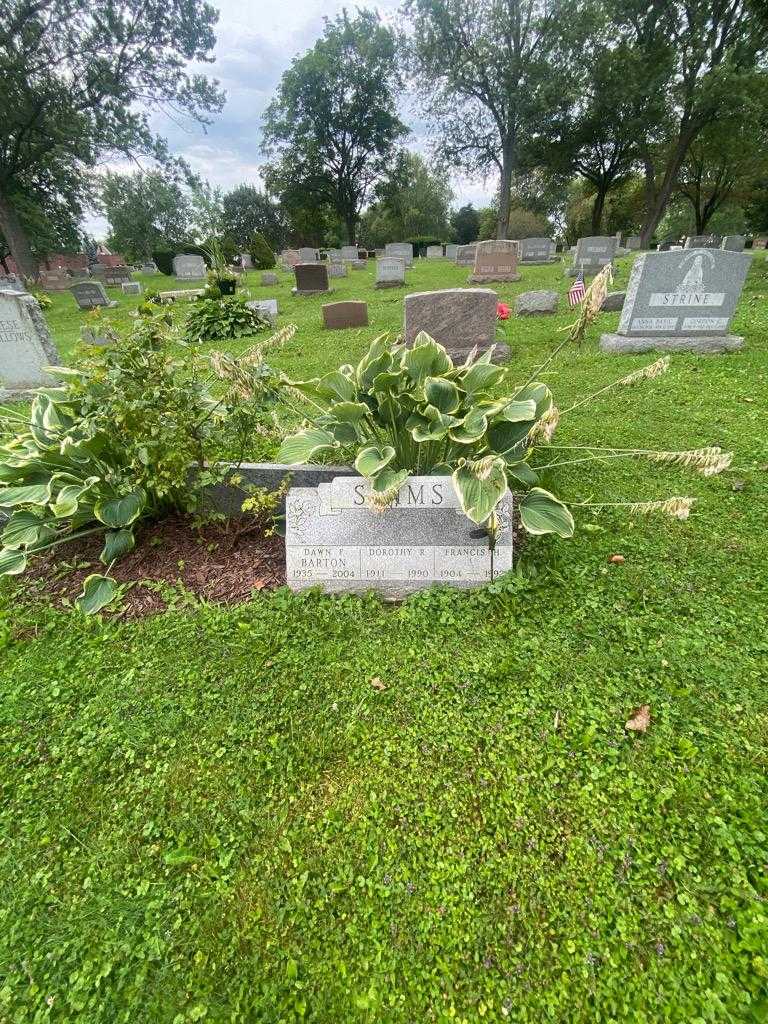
pixel 522 472
pixel 541 512
pixel 471 428
pixel 387 382
pixel 425 359
pixel 299 448
pixel 25 530
pixel 518 411
pixel 373 459
pixel 26 494
pixel 349 412
pixel 116 544
pixel 481 376
pixel 442 394
pixel 336 386
pixel 376 361
pixel 480 486
pixel 537 392
pixel 504 436
pixel 429 424
pixel 122 511
pixel 12 563
pixel 97 593
pixel 388 482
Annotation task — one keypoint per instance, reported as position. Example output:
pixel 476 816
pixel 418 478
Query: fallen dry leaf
pixel 377 684
pixel 616 559
pixel 640 720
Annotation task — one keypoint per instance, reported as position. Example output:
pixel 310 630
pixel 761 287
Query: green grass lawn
pixel 213 815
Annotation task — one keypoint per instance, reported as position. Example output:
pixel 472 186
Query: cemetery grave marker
pixel 307 255
pixel 703 242
pixel 55 280
pixel 402 249
pixel 434 252
pixel 311 278
pixel 149 268
pixel 267 308
pixel 592 254
pixel 458 318
pixel 350 252
pixel 26 346
pixel 334 255
pixel 734 243
pixel 390 272
pixel 680 301
pixel 337 270
pixel 537 250
pixel 131 288
pixel 90 294
pixel 534 303
pixel 188 267
pixel 495 260
pixel 268 277
pixel 634 242
pixel 289 258
pixel 245 261
pixel 465 255
pixel 12 283
pixel 181 293
pixel 334 540
pixel 450 251
pixel 338 315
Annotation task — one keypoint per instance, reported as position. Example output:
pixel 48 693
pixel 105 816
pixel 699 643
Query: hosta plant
pixel 212 319
pixel 405 411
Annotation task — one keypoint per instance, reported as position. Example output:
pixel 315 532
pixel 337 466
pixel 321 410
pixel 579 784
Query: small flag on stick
pixel 577 291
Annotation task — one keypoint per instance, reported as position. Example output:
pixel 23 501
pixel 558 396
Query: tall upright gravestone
pixel 401 249
pixel 592 254
pixel 390 272
pixel 311 278
pixel 26 347
pixel 495 260
pixel 458 318
pixel 537 250
pixel 681 301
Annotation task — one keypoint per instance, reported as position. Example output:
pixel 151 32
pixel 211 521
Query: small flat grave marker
pixel 267 308
pixel 335 541
pixel 131 288
pixel 680 301
pixel 268 277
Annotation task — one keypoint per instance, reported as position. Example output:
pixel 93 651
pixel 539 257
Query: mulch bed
pixel 224 563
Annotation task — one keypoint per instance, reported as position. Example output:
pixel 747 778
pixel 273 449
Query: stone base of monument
pixel 489 279
pixel 539 263
pixel 389 284
pixel 313 291
pixel 335 541
pixel 588 271
pixel 704 344
pixel 458 353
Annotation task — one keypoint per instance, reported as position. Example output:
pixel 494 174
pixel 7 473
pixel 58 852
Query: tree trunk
pixel 658 205
pixel 597 209
pixel 351 222
pixel 16 239
pixel 505 189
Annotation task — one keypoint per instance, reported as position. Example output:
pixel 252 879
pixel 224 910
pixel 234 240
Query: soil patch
pixel 173 562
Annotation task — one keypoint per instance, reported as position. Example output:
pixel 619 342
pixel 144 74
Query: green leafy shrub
pixel 115 443
pixel 261 255
pixel 164 260
pixel 420 243
pixel 221 319
pixel 44 300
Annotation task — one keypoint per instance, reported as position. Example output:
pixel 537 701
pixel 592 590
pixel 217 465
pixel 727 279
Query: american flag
pixel 577 291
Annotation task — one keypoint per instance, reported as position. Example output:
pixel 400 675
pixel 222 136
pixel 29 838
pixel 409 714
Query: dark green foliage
pixel 164 260
pixel 213 319
pixel 465 224
pixel 262 256
pixel 145 211
pixel 246 211
pixel 420 243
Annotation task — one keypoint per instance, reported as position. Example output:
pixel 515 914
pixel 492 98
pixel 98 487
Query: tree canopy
pixel 145 211
pixel 80 79
pixel 332 130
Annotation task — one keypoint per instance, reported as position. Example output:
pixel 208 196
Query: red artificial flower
pixel 502 311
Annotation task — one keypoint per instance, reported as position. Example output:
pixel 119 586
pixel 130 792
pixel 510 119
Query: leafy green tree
pixel 412 201
pixel 465 224
pixel 262 256
pixel 80 79
pixel 145 210
pixel 332 129
pixel 50 222
pixel 246 211
pixel 207 210
pixel 486 71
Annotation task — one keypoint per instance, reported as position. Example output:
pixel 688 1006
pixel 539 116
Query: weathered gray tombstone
pixel 307 255
pixel 390 272
pixel 12 283
pixel 495 260
pixel 338 315
pixel 634 242
pixel 459 318
pixel 703 242
pixel 267 308
pixel 55 280
pixel 450 250
pixel 189 267
pixel 536 250
pixel 115 276
pixel 535 303
pixel 336 541
pixel 681 301
pixel 401 249
pixel 592 254
pixel 435 252
pixel 131 288
pixel 26 347
pixel 334 255
pixel 350 252
pixel 182 294
pixel 613 302
pixel 289 258
pixel 338 270
pixel 465 255
pixel 311 278
pixel 90 294
pixel 268 277
pixel 150 267
pixel 245 261
pixel 734 243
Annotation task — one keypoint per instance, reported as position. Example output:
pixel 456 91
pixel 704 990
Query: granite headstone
pixel 26 347
pixel 495 260
pixel 402 249
pixel 537 250
pixel 189 267
pixel 338 315
pixel 390 272
pixel 311 278
pixel 458 318
pixel 90 294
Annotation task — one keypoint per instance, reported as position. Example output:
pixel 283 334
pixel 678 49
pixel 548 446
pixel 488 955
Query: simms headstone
pixel 680 301
pixel 336 541
pixel 26 346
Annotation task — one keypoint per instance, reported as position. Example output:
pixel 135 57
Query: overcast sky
pixel 256 41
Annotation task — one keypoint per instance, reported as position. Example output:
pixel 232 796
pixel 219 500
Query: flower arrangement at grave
pixel 222 280
pixel 403 411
